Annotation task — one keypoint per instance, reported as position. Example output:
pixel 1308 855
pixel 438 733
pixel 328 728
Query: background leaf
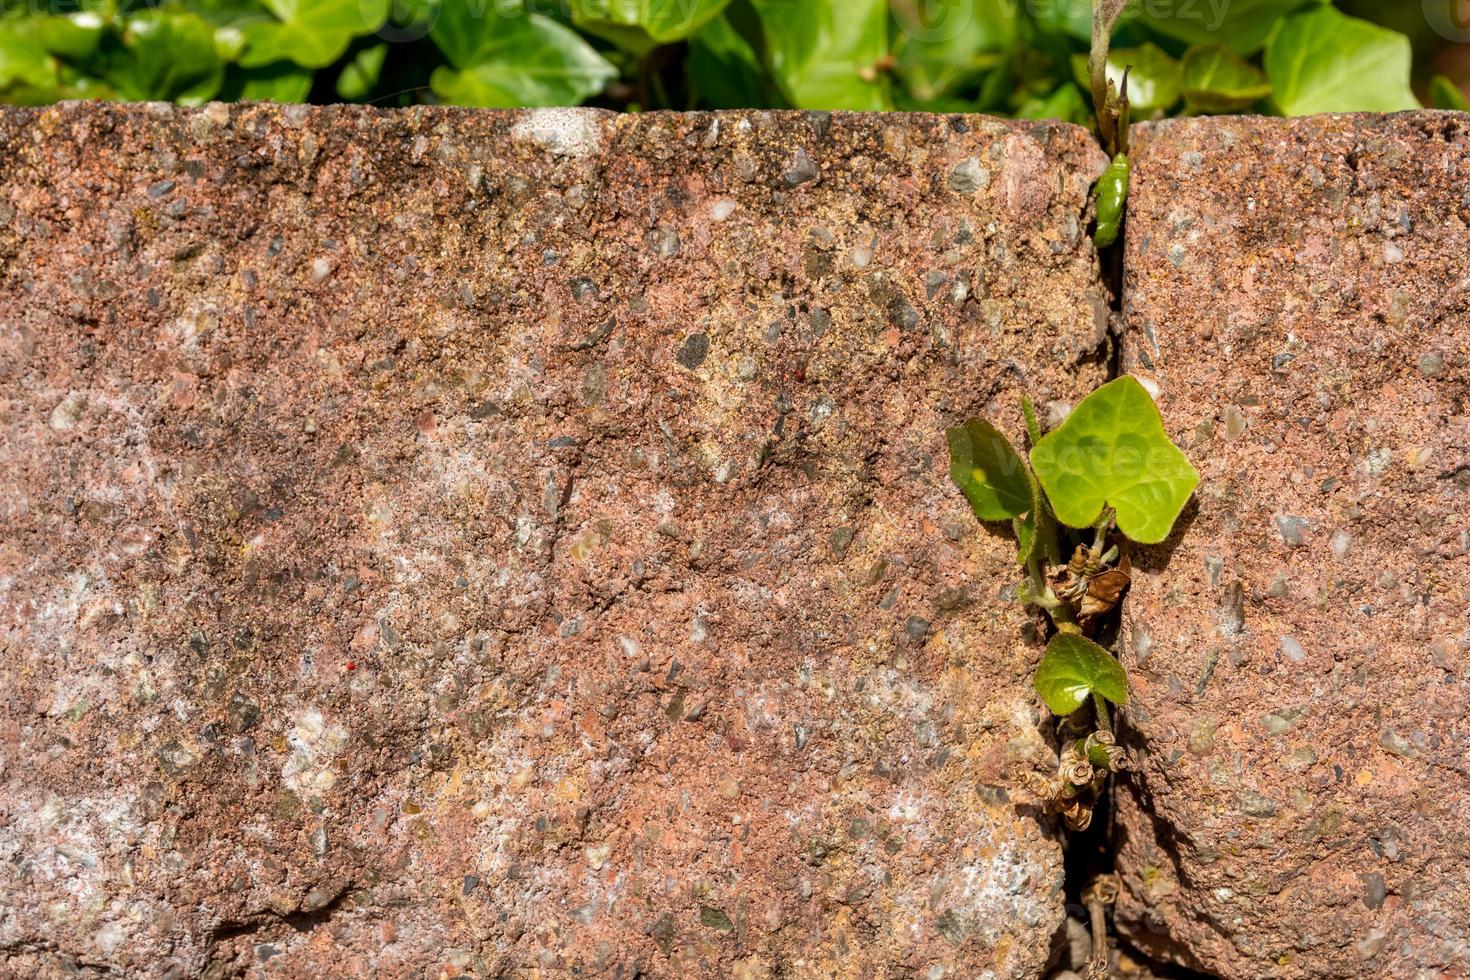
pixel 282 81
pixel 361 73
pixel 1321 60
pixel 724 69
pixel 1445 94
pixel 1217 79
pixel 827 55
pixel 944 46
pixel 1113 450
pixel 991 473
pixel 1154 83
pixel 1241 25
pixel 1073 669
pixel 520 60
pixel 312 33
pixel 168 57
pixel 641 25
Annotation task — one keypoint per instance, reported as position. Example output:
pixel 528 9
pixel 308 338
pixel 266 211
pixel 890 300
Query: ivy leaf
pixel 1321 60
pixel 72 36
pixel 282 81
pixel 1154 82
pixel 1217 79
pixel 944 47
pixel 1073 669
pixel 1445 94
pixel 1066 103
pixel 825 53
pixel 1241 25
pixel 361 73
pixel 1113 451
pixel 724 69
pixel 640 26
pixel 991 473
pixel 24 63
pixel 164 57
pixel 312 33
pixel 520 60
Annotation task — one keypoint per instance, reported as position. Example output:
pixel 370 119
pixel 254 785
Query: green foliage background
pixel 1008 57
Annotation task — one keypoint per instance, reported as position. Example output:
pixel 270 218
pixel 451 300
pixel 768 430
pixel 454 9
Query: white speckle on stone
pixel 861 256
pixel 1149 385
pixel 314 744
pixel 1377 461
pixel 1341 543
pixel 65 416
pixel 565 132
pixel 722 208
pixel 597 855
pixel 629 646
pixel 1224 894
pixel 110 937
pixel 1393 253
pixel 1292 650
pixel 321 268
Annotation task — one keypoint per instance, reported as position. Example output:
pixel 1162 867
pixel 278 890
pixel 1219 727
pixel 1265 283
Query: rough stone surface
pixel 1300 666
pixel 520 544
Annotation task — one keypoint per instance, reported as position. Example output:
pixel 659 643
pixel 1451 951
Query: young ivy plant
pixel 1108 472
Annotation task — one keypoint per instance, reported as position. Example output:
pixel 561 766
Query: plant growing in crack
pixel 1107 476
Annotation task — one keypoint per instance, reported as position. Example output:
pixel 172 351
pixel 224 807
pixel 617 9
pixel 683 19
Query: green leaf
pixel 640 26
pixel 825 54
pixel 1321 60
pixel 312 33
pixel 1113 451
pixel 1240 25
pixel 1154 83
pixel 724 69
pixel 166 57
pixel 519 60
pixel 1067 18
pixel 71 36
pixel 24 63
pixel 942 47
pixel 1445 94
pixel 1036 533
pixel 1066 103
pixel 991 473
pixel 282 81
pixel 1073 669
pixel 361 73
pixel 1217 79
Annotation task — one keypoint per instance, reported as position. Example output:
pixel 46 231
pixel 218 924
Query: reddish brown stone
pixel 520 544
pixel 1299 656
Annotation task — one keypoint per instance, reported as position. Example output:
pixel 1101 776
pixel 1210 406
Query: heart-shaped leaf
pixel 993 476
pixel 519 60
pixel 1113 451
pixel 312 33
pixel 1322 60
pixel 640 26
pixel 1074 668
pixel 1217 79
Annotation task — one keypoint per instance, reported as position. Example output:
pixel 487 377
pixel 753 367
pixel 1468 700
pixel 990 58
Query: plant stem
pixel 1104 723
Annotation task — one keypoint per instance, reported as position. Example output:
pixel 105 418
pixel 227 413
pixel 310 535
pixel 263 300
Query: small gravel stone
pixel 968 176
pixel 800 171
pixel 1293 529
pixel 1292 650
pixel 1431 365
